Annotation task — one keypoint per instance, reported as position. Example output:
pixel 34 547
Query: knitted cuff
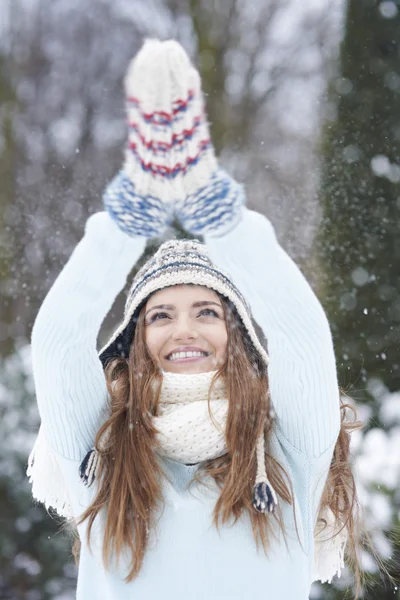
pixel 141 215
pixel 215 208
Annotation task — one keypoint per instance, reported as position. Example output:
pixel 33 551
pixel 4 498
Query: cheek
pixel 154 341
pixel 224 344
pixel 220 340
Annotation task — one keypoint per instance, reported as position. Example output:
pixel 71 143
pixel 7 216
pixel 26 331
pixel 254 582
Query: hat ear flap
pixel 247 338
pixel 260 334
pixel 120 347
pixel 114 350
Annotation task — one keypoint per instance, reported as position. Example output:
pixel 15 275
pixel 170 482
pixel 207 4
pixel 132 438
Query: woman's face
pixel 184 318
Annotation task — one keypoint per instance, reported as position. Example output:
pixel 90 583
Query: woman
pixel 197 461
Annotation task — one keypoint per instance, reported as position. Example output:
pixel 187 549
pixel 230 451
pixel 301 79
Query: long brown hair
pixel 130 475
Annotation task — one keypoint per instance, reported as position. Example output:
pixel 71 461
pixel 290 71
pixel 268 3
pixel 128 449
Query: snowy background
pixel 304 102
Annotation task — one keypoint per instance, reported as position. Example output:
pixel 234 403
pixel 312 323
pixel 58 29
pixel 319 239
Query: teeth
pixel 186 354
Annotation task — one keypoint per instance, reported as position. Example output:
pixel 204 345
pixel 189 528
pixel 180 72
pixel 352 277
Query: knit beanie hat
pixel 170 165
pixel 185 262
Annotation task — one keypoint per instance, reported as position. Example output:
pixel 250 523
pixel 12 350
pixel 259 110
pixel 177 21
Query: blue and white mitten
pixel 140 198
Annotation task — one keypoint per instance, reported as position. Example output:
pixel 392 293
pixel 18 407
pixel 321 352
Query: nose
pixel 184 329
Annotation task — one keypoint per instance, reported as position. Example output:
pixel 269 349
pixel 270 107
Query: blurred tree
pixel 35 553
pixel 359 237
pixel 7 192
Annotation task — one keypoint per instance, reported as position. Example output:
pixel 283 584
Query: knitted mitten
pixel 140 197
pixel 208 201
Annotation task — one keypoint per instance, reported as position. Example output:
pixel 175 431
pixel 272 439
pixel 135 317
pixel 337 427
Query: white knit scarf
pixel 186 431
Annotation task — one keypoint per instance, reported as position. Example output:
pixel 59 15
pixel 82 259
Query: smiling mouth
pixel 187 356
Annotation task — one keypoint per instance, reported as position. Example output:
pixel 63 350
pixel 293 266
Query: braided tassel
pixel 264 496
pixel 89 467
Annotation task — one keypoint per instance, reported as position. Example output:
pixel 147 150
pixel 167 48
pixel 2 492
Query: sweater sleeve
pixel 302 370
pixel 69 379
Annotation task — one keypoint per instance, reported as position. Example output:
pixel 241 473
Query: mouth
pixel 187 357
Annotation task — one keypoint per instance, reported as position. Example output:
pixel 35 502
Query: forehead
pixel 182 293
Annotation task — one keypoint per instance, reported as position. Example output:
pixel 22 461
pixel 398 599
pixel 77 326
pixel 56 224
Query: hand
pixel 214 208
pixel 170 165
pixel 134 211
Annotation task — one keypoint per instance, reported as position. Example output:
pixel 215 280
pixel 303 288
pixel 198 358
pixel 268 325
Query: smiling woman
pixel 189 335
pixel 188 378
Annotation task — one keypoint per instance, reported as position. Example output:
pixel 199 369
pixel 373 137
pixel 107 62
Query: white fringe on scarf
pixel 45 475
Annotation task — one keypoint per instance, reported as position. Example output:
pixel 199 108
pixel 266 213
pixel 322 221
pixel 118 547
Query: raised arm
pixel 302 370
pixel 69 378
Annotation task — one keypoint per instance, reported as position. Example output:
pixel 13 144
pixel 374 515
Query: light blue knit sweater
pixel 188 559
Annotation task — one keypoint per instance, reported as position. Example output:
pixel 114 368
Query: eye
pixel 155 315
pixel 160 315
pixel 214 312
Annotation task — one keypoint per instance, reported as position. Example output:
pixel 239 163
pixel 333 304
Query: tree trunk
pixel 359 241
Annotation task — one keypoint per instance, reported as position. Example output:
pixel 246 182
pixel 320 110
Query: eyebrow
pixel 194 305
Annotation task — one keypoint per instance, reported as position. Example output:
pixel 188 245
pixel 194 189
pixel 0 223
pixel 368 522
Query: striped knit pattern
pixel 214 209
pixel 135 214
pixel 170 163
pixel 173 254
